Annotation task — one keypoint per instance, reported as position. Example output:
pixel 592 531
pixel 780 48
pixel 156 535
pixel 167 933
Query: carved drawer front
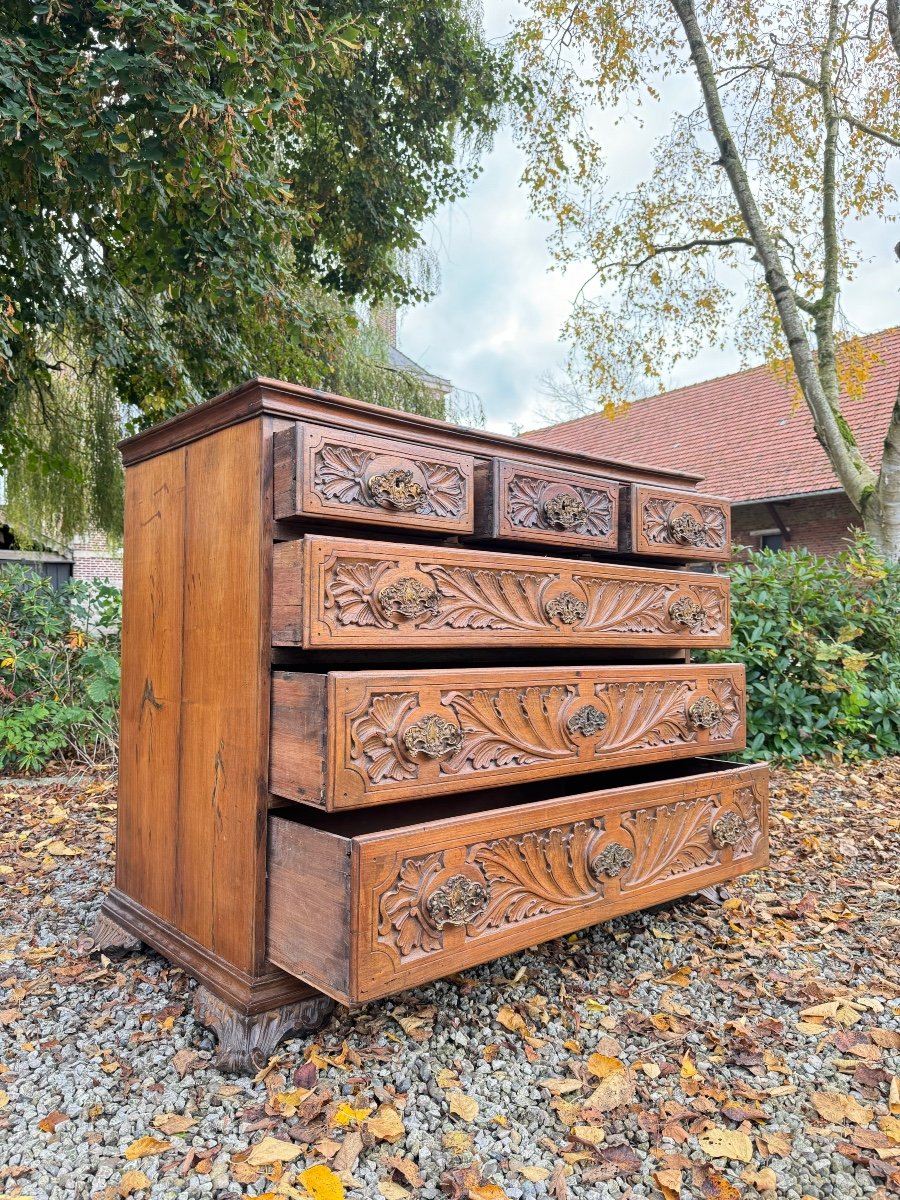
pixel 344 476
pixel 342 592
pixel 404 735
pixel 539 504
pixel 361 911
pixel 677 524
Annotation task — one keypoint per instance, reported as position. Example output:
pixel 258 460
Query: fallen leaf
pixel 688 1070
pixel 346 1114
pixel 272 1150
pixel 457 1141
pixel 407 1168
pixel 668 1182
pixel 764 1180
pixel 836 1107
pixel 187 1060
pixel 173 1123
pixel 714 1186
pixel 534 1174
pixel 614 1091
pixel 49 1123
pixel 391 1190
pixel 4 1098
pixel 887 1039
pixel 726 1143
pixel 62 850
pixel 591 1135
pixel 561 1087
pixel 462 1105
pixel 145 1147
pixel 776 1143
pixel 651 1070
pixel 894 1097
pixel 602 1065
pixel 351 1148
pixel 386 1125
pixel 512 1021
pixel 321 1183
pixel 133 1181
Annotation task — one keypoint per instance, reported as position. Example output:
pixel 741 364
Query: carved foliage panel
pixel 556 509
pixel 693 527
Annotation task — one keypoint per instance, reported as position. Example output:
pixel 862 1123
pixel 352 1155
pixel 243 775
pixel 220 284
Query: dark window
pixel 771 541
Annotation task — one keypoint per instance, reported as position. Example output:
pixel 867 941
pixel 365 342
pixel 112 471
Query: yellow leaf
pixel 836 1107
pixel 61 850
pixel 591 1135
pixel 346 1114
pixel 764 1181
pixel 512 1021
pixel 392 1191
pixel 651 1070
pixel 385 1124
pixel 534 1174
pixel 726 1143
pixel 172 1123
pixel 145 1147
pixel 272 1150
pixel 462 1105
pixel 891 1127
pixel 133 1181
pixel 293 1099
pixel 445 1078
pixel 688 1070
pixel 322 1183
pixel 486 1191
pixel 457 1141
pixel 614 1091
pixel 4 1099
pixel 602 1065
pixel 668 1182
pixel 894 1097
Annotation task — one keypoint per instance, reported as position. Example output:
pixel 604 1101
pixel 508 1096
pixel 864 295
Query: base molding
pixel 248 995
pixel 246 1042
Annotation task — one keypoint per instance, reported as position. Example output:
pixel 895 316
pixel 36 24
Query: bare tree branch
pixel 657 250
pixel 849 118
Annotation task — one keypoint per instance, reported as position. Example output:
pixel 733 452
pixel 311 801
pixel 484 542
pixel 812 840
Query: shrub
pixel 59 671
pixel 820 640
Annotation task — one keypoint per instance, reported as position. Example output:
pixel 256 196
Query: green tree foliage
pixel 193 192
pixel 821 643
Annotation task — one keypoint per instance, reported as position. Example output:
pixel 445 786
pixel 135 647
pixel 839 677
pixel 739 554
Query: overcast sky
pixel 494 327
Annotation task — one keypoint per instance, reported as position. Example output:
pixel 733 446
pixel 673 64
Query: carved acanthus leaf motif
pixel 587 510
pixel 625 607
pixel 712 601
pixel 729 701
pixel 373 738
pixel 446 490
pixel 508 727
pixel 476 599
pixel 351 588
pixel 340 473
pixel 667 522
pixel 402 924
pixel 749 803
pixel 533 874
pixel 644 714
pixel 669 840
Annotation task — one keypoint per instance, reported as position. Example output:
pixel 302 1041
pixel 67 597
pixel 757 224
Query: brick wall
pixel 93 557
pixel 820 523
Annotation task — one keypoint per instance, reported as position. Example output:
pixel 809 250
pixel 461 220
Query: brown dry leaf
pixel 272 1150
pixel 602 1065
pixel 462 1105
pixel 386 1125
pixel 242 1172
pixel 321 1183
pixel 486 1191
pixel 894 1097
pixel 651 1070
pixel 668 1182
pixel 146 1147
pixel 836 1107
pixel 887 1039
pixel 561 1087
pixel 187 1060
pixel 62 850
pixel 391 1190
pixel 351 1148
pixel 407 1168
pixel 714 1186
pixel 511 1020
pixel 445 1078
pixel 764 1180
pixel 172 1123
pixel 591 1135
pixel 614 1091
pixel 133 1181
pixel 890 1126
pixel 534 1174
pixel 777 1144
pixel 726 1143
pixel 49 1123
pixel 415 1027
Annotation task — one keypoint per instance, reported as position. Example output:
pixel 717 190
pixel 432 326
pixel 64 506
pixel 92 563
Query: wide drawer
pixel 521 502
pixel 363 905
pixel 679 525
pixel 403 735
pixel 344 592
pixel 344 476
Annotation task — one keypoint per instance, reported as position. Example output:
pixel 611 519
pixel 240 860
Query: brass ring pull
pixel 687 530
pixel 458 902
pixel 687 612
pixel 433 736
pixel 729 830
pixel 396 489
pixel 409 597
pixel 564 511
pixel 705 713
pixel 613 860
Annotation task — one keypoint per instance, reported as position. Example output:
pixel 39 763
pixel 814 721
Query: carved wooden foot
pixel 109 936
pixel 245 1043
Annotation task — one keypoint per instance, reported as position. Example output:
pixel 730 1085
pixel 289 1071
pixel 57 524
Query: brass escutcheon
pixel 687 612
pixel 587 720
pixel 458 902
pixel 564 511
pixel 705 713
pixel 686 529
pixel 729 830
pixel 409 597
pixel 433 736
pixel 613 860
pixel 396 489
pixel 566 608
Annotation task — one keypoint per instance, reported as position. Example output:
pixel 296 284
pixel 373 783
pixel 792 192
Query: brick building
pixel 751 438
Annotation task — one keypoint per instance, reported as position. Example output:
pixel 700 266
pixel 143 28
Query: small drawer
pixel 340 592
pixel 361 905
pixel 344 476
pixel 517 501
pixel 679 525
pixel 407 735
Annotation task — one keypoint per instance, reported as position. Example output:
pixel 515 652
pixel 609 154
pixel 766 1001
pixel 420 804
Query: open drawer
pixel 364 904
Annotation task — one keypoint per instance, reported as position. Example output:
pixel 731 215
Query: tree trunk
pixel 881 509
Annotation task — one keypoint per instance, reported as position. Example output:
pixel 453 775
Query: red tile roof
pixel 749 435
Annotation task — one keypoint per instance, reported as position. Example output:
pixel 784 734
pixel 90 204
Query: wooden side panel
pixel 152 605
pixel 308 924
pixel 301 717
pixel 287 594
pixel 679 525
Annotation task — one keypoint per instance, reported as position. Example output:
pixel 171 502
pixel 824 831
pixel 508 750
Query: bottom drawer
pixel 365 904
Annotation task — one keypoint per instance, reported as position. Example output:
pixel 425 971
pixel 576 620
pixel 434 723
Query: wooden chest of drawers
pixel 319 799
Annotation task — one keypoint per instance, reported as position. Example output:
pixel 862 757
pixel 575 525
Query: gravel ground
pixel 664 1053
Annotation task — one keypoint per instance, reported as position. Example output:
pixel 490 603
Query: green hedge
pixel 59 671
pixel 820 639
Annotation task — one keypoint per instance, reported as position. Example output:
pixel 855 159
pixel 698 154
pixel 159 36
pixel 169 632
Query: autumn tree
pixel 741 227
pixel 194 192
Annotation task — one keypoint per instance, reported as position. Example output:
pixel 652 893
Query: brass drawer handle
pixel 566 607
pixel 705 713
pixel 564 511
pixel 587 720
pixel 409 597
pixel 729 830
pixel 458 902
pixel 687 612
pixel 613 860
pixel 396 489
pixel 687 530
pixel 433 736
